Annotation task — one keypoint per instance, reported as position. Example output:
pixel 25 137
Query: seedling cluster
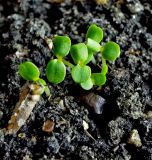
pixel 82 54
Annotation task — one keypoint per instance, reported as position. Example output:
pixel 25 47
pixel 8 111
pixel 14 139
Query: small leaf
pixel 87 85
pixel 45 87
pixel 90 57
pixel 104 69
pixel 29 71
pixel 98 79
pixel 81 74
pixel 61 46
pixel 79 53
pixel 42 81
pixel 93 45
pixel 47 91
pixel 111 51
pixel 55 71
pixel 94 32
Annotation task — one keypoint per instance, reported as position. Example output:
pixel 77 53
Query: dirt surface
pixel 128 90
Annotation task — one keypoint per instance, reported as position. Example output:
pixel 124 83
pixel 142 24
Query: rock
pixel 48 126
pixel 135 138
pixel 27 157
pixel 94 101
pixel 149 114
pixel 85 125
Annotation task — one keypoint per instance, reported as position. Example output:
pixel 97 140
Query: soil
pixel 127 92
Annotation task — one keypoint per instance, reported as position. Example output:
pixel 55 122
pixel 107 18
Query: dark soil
pixel 128 91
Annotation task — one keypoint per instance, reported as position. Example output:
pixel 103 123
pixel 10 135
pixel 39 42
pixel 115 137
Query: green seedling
pixel 111 51
pixel 95 33
pixel 81 54
pixel 55 71
pixel 30 72
pixel 81 74
pixel 62 46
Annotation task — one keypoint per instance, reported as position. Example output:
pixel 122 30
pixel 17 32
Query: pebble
pixel 148 115
pixel 48 126
pixel 85 125
pixel 94 101
pixel 134 138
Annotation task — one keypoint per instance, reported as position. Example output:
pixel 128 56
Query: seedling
pixel 30 72
pixel 82 54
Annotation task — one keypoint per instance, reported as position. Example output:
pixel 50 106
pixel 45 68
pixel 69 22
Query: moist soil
pixel 128 91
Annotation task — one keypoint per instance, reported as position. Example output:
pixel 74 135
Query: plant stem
pixel 67 63
pixel 103 61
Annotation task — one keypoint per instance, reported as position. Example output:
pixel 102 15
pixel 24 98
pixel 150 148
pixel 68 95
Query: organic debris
pixel 48 126
pixel 29 96
pixel 101 2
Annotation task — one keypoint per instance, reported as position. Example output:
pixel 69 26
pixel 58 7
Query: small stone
pixel 85 125
pixel 148 115
pixel 48 126
pixel 135 138
pixel 1 115
pixel 49 43
pixel 33 140
pixel 61 104
pixel 27 157
pixel 94 101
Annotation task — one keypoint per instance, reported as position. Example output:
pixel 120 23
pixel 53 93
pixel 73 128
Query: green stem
pixel 103 61
pixel 101 49
pixel 67 63
pixel 104 69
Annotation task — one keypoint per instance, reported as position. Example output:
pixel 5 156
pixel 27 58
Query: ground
pixel 127 92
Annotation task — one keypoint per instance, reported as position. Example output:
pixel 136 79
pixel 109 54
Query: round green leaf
pixel 93 45
pixel 55 71
pixel 111 51
pixel 79 53
pixel 87 85
pixel 81 74
pixel 104 69
pixel 61 45
pixel 29 71
pixel 90 56
pixel 94 32
pixel 98 79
